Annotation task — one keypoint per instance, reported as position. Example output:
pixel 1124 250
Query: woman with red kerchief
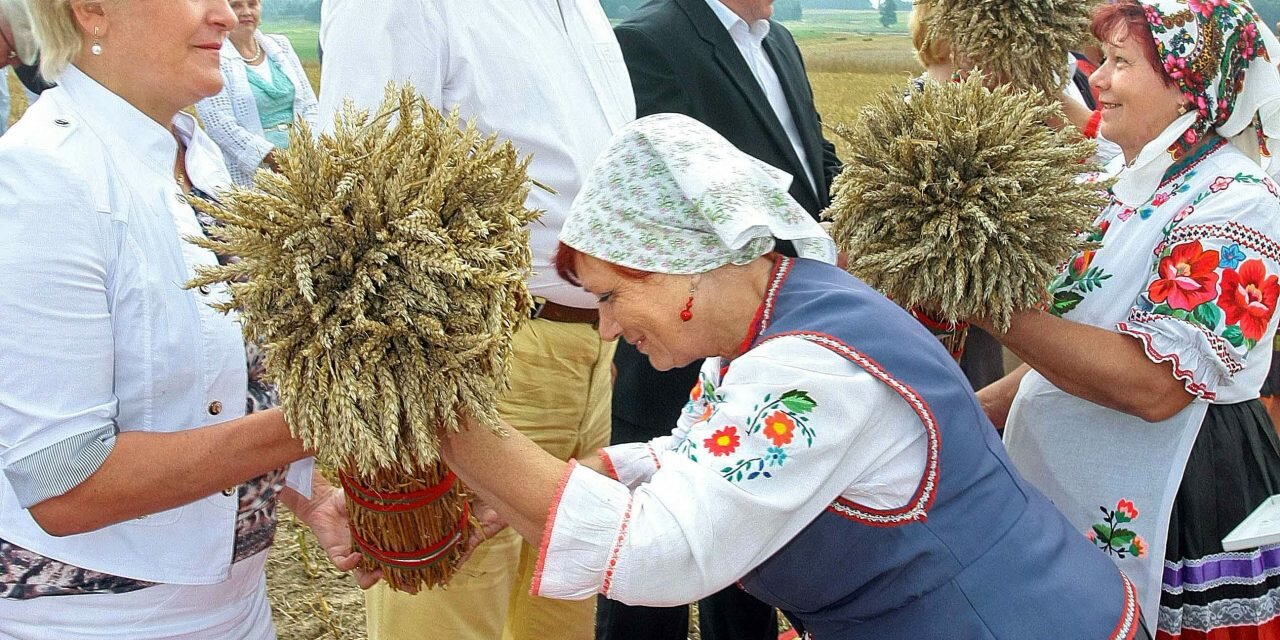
pixel 1138 412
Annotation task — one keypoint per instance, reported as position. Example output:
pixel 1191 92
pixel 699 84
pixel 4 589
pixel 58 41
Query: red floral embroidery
pixel 780 428
pixel 723 442
pixel 1220 183
pixel 1249 297
pixel 706 412
pixel 1127 507
pixel 1188 277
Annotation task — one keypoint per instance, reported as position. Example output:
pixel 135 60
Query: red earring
pixel 687 314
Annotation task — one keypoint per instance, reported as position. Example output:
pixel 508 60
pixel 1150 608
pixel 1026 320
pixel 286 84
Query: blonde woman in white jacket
pixel 265 91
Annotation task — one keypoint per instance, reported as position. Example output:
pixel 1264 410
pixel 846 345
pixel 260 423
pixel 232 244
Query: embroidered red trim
pixel 420 558
pixel 657 462
pixel 386 502
pixel 1234 231
pixel 1198 389
pixel 617 549
pixel 918 507
pixel 609 469
pixel 1127 627
pixel 1220 347
pixel 536 586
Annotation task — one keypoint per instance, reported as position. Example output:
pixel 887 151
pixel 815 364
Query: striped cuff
pixel 61 467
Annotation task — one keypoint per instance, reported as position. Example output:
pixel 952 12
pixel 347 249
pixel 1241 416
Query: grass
pixel 850 59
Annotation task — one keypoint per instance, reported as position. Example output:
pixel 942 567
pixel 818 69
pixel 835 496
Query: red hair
pixel 1131 18
pixel 566 262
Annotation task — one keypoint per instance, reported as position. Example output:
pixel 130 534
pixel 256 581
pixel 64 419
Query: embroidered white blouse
pixel 763 448
pixel 1188 265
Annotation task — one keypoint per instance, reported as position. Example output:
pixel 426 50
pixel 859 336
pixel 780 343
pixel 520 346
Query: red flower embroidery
pixel 723 442
pixel 1159 199
pixel 1139 548
pixel 1188 277
pixel 706 412
pixel 1127 507
pixel 1220 183
pixel 780 428
pixel 1249 297
pixel 1081 263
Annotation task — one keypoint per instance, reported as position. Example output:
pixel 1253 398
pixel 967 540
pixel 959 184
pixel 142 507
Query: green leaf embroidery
pixel 1103 531
pixel 798 401
pixel 1065 301
pixel 1208 314
pixel 1234 336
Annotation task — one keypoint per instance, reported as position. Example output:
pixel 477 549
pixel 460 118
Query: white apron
pixel 1177 244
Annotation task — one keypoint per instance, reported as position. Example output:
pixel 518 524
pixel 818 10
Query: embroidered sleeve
pixel 1211 297
pixel 792 427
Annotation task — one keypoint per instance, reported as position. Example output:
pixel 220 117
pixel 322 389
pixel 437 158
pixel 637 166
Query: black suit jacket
pixel 682 60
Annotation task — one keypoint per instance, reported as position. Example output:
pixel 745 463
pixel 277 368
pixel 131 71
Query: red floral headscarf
pixel 1218 51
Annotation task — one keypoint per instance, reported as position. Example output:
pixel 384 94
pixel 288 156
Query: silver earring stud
pixel 96 49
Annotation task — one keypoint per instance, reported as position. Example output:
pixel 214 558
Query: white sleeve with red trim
pixel 1209 305
pixel 792 427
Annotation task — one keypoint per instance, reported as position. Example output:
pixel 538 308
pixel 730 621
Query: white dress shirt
pixel 750 41
pixel 686 515
pixel 99 333
pixel 546 74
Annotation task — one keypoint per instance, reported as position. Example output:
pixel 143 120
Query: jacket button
pixel 215 408
pixel 180 198
pixel 204 289
pixel 229 491
pixel 62 123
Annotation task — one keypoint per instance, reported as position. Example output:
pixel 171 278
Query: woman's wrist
pixel 302 507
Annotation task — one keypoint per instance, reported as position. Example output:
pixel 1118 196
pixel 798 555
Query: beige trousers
pixel 560 397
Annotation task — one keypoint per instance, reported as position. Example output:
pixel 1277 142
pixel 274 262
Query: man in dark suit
pixel 724 63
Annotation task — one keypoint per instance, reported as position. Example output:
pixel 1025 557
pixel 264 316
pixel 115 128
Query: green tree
pixel 888 13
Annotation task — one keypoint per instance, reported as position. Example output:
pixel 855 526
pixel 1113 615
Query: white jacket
pixel 231 117
pixel 98 329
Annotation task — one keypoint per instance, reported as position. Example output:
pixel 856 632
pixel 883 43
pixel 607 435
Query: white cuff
pixel 299 476
pixel 1201 373
pixel 585 529
pixel 632 464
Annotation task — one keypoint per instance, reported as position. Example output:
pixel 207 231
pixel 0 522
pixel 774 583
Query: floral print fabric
pixel 669 195
pixel 1218 52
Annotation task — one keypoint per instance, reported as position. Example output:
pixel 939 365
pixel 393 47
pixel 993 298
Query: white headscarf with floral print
pixel 669 195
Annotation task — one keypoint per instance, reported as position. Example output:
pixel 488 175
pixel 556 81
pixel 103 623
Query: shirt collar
pixel 1137 182
pixel 757 30
pixel 122 126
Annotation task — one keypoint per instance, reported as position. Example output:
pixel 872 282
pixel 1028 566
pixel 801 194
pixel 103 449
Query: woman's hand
pixel 491 524
pixel 326 514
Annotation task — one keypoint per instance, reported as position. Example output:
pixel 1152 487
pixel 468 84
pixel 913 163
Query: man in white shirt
pixel 549 76
pixel 726 64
